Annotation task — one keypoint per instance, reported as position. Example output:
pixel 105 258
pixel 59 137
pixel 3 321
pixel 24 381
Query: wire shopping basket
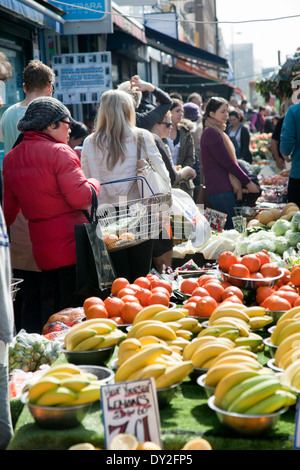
pixel 129 223
pixel 14 287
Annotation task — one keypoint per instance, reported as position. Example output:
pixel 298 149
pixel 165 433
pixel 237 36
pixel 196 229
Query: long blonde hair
pixel 114 122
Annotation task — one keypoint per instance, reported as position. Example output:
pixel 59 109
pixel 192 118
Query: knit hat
pixel 191 111
pixel 41 113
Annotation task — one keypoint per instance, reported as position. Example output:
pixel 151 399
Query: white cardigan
pixel 93 164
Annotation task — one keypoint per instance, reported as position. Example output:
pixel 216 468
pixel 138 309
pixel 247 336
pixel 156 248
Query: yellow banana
pixel 79 336
pixel 236 359
pixel 229 381
pixel 172 314
pixel 237 351
pixel 255 311
pixel 67 368
pixel 148 312
pixel 218 372
pixel 233 312
pixel 178 342
pixel 150 339
pixel 90 343
pixel 141 359
pixel 89 324
pixel 231 333
pixel 129 344
pixel 126 355
pixel 188 323
pixel 229 306
pixel 153 370
pixel 161 330
pixel 289 357
pixel 44 384
pixel 288 331
pixel 186 334
pixel 272 403
pixel 174 325
pixel 291 342
pixel 255 394
pixel 62 396
pixel 287 377
pixel 295 384
pixel 254 341
pixel 210 331
pixel 176 349
pixel 195 344
pixel 255 323
pixel 278 330
pixel 235 323
pixel 174 374
pixel 288 314
pixel 103 328
pixel 133 330
pixel 88 394
pixel 75 383
pixel 112 339
pixel 208 352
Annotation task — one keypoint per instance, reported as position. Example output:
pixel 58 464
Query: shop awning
pixel 180 49
pixel 127 24
pixel 34 13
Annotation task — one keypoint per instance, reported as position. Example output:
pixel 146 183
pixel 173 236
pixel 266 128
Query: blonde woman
pixel 110 153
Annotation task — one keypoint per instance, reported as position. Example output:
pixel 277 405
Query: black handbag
pixel 94 269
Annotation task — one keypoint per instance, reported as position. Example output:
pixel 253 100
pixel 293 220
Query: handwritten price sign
pixel 131 407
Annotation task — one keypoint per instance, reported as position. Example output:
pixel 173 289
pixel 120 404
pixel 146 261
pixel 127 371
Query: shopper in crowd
pixel 111 153
pixel 239 135
pixel 181 144
pixel 6 305
pixel 258 120
pixel 290 142
pixel 246 110
pixel 195 98
pixel 79 132
pixel 33 297
pixel 192 112
pixel 42 177
pixel 135 87
pixel 220 162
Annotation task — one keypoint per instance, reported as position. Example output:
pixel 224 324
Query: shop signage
pixel 82 77
pixel 131 407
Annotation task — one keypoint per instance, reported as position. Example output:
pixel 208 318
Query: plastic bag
pixel 189 223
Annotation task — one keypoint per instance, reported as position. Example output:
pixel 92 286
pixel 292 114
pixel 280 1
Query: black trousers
pixel 294 191
pixel 62 282
pixel 133 262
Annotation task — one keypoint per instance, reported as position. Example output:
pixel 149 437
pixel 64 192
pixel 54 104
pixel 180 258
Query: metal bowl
pixel 271 365
pixel 66 417
pixel 271 329
pixel 197 372
pixel 246 425
pixel 201 382
pixel 165 395
pixel 275 314
pixel 97 357
pixel 247 283
pixel 272 347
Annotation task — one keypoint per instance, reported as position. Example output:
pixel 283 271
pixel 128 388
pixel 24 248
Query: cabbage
pixel 281 244
pixel 259 245
pixel 293 238
pixel 242 247
pixel 295 222
pixel 280 227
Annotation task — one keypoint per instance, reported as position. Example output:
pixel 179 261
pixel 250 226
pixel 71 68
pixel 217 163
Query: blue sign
pixel 80 11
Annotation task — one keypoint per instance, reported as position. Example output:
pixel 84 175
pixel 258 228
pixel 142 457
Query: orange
pixel 130 310
pixel 133 287
pixel 191 308
pixel 262 293
pixel 297 303
pixel 188 285
pixel 129 298
pixel 239 270
pixel 264 257
pixel 232 290
pixel 206 306
pixel 227 259
pixel 289 296
pixel 269 270
pixel 274 302
pixel 111 240
pixel 200 291
pixel 215 290
pixel 234 299
pixel 259 277
pixel 162 283
pixel 143 281
pixel 96 311
pixel 194 298
pixel 119 284
pixel 113 306
pixel 91 301
pixel 118 320
pixel 125 291
pixel 295 276
pixel 287 288
pixel 159 298
pixel 197 443
pixel 148 445
pixel 143 296
pixel 204 278
pixel 160 289
pixel 252 262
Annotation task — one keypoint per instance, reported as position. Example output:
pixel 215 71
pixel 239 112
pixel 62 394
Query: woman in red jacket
pixel 42 177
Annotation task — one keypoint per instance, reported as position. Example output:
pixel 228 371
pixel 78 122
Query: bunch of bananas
pixel 64 385
pixel 202 351
pixel 229 361
pixel 251 392
pixel 287 351
pixel 285 327
pixel 148 356
pixel 291 375
pixel 98 333
pixel 233 322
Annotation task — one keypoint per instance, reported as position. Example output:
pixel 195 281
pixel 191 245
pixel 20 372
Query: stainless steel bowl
pixel 165 395
pixel 98 357
pixel 246 425
pixel 271 365
pixel 201 382
pixel 272 347
pixel 248 283
pixel 197 372
pixel 102 373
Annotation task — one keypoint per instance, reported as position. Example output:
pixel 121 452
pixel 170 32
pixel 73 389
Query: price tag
pixel 216 219
pixel 131 407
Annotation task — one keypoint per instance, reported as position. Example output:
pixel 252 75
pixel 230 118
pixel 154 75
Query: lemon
pixel 197 444
pixel 125 441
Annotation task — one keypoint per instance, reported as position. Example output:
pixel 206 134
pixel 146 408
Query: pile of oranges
pixel 127 299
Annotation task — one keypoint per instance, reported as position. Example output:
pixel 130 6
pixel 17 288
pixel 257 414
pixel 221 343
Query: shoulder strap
pixel 92 215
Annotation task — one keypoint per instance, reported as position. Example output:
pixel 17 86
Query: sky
pixel 267 37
